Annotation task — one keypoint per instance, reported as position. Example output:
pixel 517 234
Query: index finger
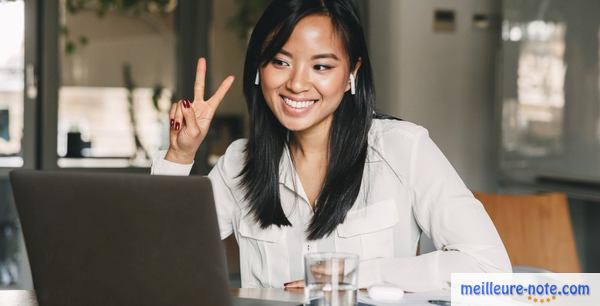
pixel 200 77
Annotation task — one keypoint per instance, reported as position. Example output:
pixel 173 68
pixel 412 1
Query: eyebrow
pixel 317 56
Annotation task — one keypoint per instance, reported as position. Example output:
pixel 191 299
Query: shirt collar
pixel 287 173
pixel 286 169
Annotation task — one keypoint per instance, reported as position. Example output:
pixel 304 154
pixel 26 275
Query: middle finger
pixel 200 76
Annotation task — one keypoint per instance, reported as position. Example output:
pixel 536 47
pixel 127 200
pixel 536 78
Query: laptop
pixel 122 239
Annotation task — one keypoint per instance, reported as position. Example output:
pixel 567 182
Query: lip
pixel 298 99
pixel 297 111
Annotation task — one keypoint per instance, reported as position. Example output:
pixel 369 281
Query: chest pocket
pixel 264 251
pixel 369 231
pixel 251 229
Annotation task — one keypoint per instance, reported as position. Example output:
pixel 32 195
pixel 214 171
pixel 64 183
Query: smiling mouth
pixel 298 104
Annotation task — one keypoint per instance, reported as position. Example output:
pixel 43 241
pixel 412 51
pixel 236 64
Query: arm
pixel 162 166
pixel 445 209
pixel 189 124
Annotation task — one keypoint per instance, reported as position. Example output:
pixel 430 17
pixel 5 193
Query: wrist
pixel 179 157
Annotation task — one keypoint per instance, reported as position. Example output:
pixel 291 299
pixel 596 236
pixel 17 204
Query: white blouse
pixel 408 187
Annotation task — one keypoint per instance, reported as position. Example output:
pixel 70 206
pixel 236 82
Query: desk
pixel 27 297
pixel 270 294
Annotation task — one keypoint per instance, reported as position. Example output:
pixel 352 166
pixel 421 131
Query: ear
pixel 354 72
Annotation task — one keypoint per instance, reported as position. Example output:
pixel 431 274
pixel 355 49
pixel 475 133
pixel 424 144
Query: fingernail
pixel 285 284
pixel 177 125
pixel 171 123
pixel 186 103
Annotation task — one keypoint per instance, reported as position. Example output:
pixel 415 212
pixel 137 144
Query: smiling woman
pixel 314 53
pixel 321 171
pixel 303 85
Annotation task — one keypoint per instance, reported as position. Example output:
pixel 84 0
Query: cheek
pixel 270 82
pixel 272 78
pixel 332 87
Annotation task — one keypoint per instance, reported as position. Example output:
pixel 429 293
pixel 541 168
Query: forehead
pixel 315 34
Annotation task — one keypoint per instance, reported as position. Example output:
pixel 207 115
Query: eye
pixel 279 63
pixel 321 67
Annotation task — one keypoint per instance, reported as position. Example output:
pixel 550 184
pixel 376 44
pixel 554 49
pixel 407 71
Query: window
pixel 117 81
pixel 12 59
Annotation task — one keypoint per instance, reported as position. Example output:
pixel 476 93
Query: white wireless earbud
pixel 352 84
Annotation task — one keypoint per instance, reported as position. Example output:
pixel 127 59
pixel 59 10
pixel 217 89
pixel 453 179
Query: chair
pixel 536 230
pixel 232 252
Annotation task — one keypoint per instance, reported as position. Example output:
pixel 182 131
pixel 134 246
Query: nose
pixel 299 80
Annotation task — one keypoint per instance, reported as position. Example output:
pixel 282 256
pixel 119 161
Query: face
pixel 305 82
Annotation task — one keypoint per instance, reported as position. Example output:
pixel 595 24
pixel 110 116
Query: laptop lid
pixel 121 239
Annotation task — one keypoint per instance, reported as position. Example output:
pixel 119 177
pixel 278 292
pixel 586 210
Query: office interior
pixel 508 89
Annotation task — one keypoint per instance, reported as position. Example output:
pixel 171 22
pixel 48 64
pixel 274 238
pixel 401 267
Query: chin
pixel 294 125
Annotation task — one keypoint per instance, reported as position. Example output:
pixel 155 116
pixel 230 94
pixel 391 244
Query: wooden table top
pixel 27 297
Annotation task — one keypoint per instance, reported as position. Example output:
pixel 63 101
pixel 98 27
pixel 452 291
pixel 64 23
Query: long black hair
pixel 268 138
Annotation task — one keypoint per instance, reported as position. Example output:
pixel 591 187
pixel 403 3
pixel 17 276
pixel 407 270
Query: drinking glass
pixel 330 279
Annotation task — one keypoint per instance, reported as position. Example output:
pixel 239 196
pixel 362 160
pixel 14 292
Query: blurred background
pixel 509 90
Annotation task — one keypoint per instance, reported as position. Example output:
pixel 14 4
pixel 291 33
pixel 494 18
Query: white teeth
pixel 298 104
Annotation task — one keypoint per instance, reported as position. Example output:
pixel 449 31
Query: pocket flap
pixel 373 218
pixel 251 229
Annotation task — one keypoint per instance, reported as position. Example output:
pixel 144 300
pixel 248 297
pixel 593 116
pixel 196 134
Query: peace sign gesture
pixel 190 120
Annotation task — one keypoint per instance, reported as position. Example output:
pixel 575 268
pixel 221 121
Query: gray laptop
pixel 122 239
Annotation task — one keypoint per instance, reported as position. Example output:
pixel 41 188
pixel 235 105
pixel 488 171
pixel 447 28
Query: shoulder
pixel 230 165
pixel 395 142
pixel 236 150
pixel 396 134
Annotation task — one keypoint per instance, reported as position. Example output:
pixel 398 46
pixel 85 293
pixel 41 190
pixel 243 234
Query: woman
pixel 321 172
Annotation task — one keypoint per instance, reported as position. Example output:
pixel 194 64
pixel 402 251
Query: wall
pixel 147 42
pixel 227 54
pixel 443 81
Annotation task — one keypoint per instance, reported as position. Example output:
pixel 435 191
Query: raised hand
pixel 190 120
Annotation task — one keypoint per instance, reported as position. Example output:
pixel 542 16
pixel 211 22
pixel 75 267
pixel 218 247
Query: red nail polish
pixel 285 284
pixel 186 103
pixel 177 125
pixel 171 123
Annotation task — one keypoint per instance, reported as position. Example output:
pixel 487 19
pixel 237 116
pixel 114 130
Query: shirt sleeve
pixel 446 210
pixel 225 179
pixel 224 199
pixel 161 166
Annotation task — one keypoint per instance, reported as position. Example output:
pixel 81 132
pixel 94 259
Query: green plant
pixel 102 7
pixel 247 15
